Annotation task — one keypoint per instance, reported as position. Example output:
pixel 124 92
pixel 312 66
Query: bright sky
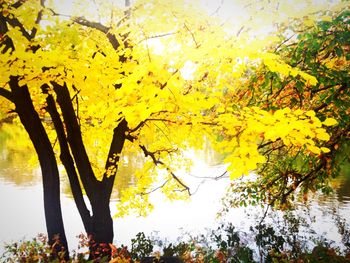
pixel 236 13
pixel 257 17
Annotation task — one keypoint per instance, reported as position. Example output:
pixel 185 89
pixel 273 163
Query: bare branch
pixel 150 154
pixel 268 143
pixel 284 42
pixel 98 26
pixel 158 36
pixel 155 189
pixel 82 21
pixel 334 95
pixel 157 162
pixel 239 31
pixel 186 188
pixel 221 176
pixel 218 8
pixel 95 25
pixel 265 214
pixel 192 35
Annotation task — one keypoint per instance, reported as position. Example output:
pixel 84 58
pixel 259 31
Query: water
pixel 23 215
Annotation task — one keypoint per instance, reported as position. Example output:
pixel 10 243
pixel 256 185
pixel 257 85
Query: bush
pixel 223 244
pixel 35 250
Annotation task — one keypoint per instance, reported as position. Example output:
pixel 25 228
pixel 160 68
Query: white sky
pixel 236 13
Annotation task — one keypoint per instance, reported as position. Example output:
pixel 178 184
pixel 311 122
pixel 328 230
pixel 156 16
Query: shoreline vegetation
pixel 264 242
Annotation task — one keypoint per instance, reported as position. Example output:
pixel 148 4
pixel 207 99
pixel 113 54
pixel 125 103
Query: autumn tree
pixel 319 48
pixel 154 79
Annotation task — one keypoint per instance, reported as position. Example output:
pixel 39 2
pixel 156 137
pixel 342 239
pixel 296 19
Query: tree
pixel 320 49
pixel 101 87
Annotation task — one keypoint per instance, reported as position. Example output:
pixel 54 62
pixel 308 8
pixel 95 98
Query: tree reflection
pixel 18 161
pixel 343 181
pixel 19 164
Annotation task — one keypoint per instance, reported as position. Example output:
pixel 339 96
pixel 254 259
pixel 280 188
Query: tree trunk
pixel 68 162
pixel 75 139
pixel 51 184
pixel 98 192
pixel 102 233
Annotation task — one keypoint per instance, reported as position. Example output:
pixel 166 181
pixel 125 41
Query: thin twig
pixel 192 35
pixel 159 162
pixel 155 189
pixel 157 36
pixel 221 176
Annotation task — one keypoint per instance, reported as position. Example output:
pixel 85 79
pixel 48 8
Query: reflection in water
pixel 22 207
pixel 124 179
pixel 344 188
pixel 344 179
pixel 18 163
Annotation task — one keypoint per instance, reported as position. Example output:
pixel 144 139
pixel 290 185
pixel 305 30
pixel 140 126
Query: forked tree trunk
pixel 98 192
pixel 68 162
pixel 50 175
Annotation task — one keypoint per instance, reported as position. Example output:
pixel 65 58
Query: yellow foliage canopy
pixel 173 86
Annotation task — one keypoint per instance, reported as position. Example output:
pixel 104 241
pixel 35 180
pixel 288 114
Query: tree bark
pixel 75 139
pixel 102 233
pixel 68 162
pixel 51 184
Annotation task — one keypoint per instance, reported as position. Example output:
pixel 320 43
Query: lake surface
pixel 22 214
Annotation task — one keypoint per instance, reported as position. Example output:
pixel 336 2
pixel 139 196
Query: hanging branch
pixel 156 36
pixel 192 35
pixel 159 162
pixel 215 178
pixel 186 188
pixel 155 189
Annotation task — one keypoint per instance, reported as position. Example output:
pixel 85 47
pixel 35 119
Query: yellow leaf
pixel 310 113
pixel 314 149
pixel 323 136
pixel 298 112
pixel 325 150
pixel 311 79
pixel 330 122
